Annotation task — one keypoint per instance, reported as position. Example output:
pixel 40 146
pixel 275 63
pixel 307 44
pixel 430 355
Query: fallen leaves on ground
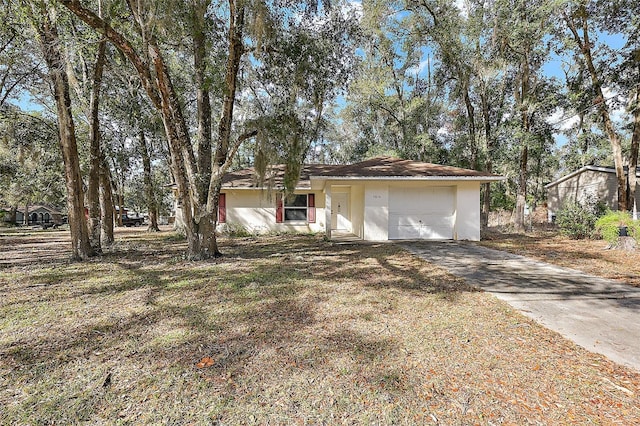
pixel 590 256
pixel 288 330
pixel 205 362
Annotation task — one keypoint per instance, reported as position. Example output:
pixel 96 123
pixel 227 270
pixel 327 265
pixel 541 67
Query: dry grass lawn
pixel 282 330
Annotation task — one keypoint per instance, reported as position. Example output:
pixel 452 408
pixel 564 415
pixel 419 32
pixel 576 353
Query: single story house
pixel 38 215
pixel 379 199
pixel 583 184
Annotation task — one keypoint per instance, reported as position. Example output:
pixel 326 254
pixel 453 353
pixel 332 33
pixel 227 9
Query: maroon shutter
pixel 279 209
pixel 311 208
pixel 222 208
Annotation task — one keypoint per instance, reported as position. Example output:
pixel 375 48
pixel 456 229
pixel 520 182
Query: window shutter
pixel 279 209
pixel 222 208
pixel 311 208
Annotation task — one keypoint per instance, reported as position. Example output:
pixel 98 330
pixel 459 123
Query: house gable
pixel 589 182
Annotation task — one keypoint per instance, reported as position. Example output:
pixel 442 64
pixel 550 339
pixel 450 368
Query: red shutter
pixel 222 208
pixel 311 210
pixel 279 209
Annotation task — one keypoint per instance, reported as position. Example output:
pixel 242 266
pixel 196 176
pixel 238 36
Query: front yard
pixel 281 330
pixel 590 256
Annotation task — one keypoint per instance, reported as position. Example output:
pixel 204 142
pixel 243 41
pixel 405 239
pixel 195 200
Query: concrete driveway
pixel 600 315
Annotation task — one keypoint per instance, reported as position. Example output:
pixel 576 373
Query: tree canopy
pixel 528 90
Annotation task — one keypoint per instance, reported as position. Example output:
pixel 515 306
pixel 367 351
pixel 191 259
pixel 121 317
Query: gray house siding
pixel 588 182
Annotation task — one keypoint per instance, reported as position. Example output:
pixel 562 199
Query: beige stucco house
pixel 378 199
pixel 587 182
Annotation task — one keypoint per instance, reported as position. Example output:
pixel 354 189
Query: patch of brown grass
pixel 299 331
pixel 590 256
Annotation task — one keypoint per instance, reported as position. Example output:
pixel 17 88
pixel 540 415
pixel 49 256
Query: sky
pixel 555 67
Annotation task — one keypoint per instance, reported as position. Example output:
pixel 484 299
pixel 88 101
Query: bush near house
pixel 578 221
pixel 609 226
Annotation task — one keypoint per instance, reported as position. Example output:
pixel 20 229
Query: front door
pixel 340 212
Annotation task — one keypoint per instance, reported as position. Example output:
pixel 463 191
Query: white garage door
pixel 421 213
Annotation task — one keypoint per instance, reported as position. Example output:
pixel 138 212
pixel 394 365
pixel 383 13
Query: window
pixel 295 208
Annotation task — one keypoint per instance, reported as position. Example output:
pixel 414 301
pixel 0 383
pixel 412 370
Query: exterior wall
pixel 357 210
pixel 376 211
pixel 255 210
pixel 42 216
pixel 467 216
pixel 590 183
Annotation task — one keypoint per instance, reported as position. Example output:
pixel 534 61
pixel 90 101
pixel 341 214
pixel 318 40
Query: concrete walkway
pixel 600 315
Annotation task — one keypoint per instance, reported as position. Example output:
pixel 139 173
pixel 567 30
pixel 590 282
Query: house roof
pixel 599 169
pixel 248 178
pixel 34 207
pixel 385 167
pixel 382 168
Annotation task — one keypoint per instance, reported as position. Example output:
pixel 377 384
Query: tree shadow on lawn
pixel 287 322
pixel 268 304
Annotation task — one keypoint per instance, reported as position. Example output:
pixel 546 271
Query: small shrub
pixel 576 221
pixel 609 226
pixel 237 230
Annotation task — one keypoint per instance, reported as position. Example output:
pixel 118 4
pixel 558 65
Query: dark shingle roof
pixel 248 178
pixel 379 167
pixel 396 167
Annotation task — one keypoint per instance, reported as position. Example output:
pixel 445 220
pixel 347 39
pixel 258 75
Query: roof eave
pixel 413 178
pixel 582 170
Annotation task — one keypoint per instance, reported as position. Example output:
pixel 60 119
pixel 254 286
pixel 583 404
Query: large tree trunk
pixel 182 159
pixel 521 196
pixel 222 157
pixel 106 204
pixel 585 46
pixel 81 248
pixel 633 157
pixel 149 192
pixel 471 120
pixel 93 187
pixel 156 80
pixel 486 187
pixel 522 99
pixel 203 103
pixel 13 212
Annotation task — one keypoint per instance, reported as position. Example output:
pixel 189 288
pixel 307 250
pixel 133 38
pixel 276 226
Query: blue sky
pixel 553 68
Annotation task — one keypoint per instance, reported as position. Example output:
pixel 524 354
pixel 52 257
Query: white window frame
pixel 304 208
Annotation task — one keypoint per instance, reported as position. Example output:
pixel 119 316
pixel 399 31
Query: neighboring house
pixel 586 183
pixel 38 215
pixel 379 199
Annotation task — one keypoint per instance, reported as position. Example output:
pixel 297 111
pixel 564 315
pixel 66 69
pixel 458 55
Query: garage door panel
pixel 421 213
pixel 408 220
pixel 405 233
pixel 436 221
pixel 436 233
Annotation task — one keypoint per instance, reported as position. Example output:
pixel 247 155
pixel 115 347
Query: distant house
pixel 379 199
pixel 38 215
pixel 588 182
